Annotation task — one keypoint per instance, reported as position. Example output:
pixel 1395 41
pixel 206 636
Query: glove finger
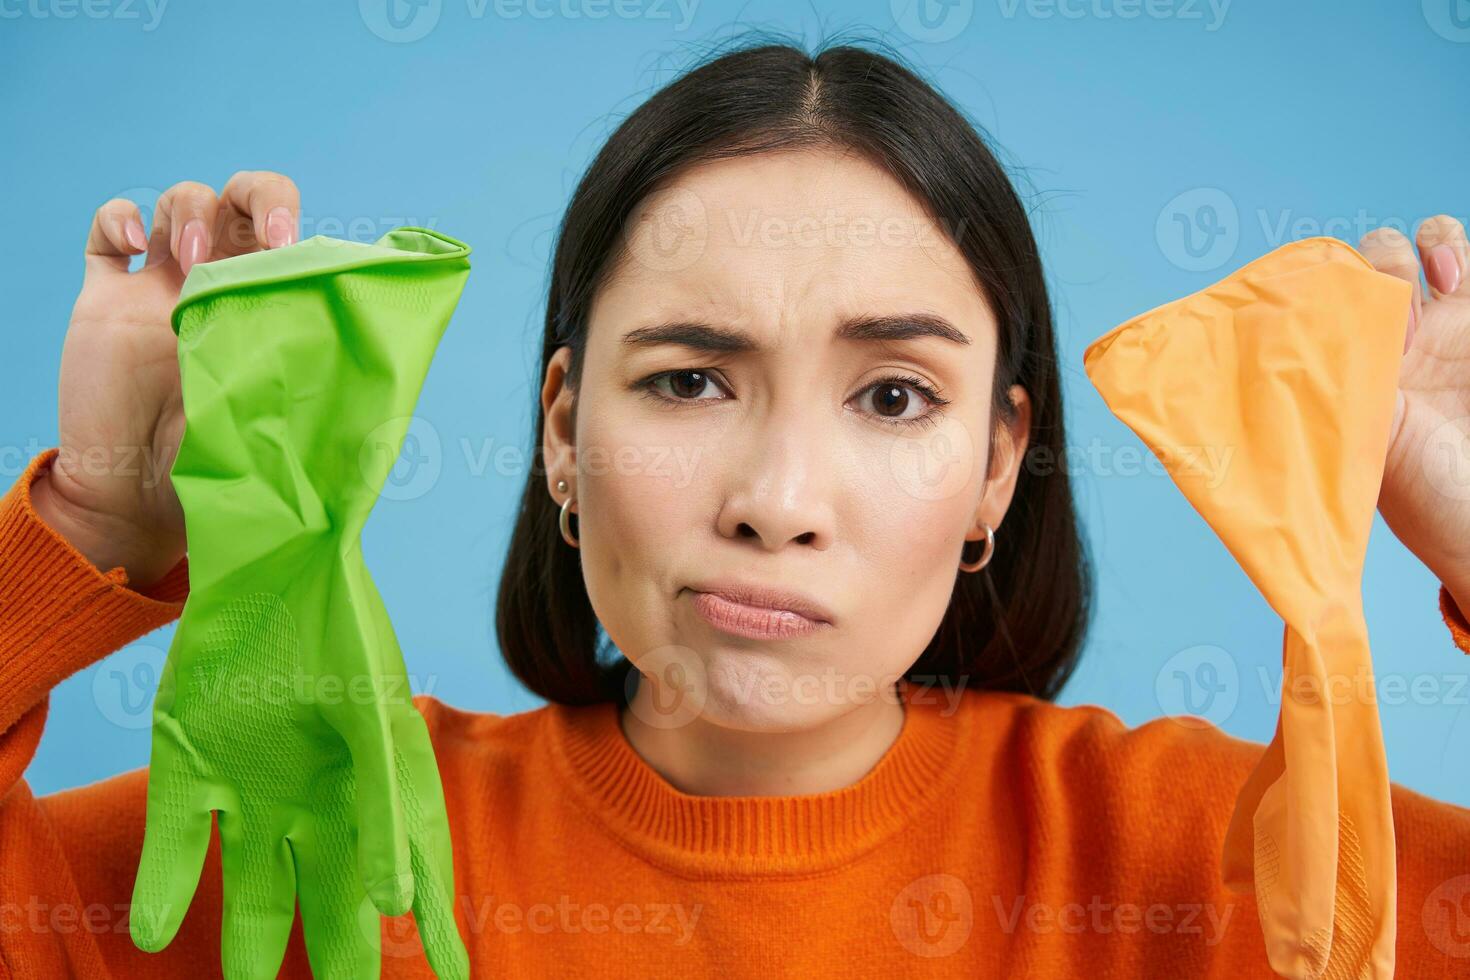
pixel 382 838
pixel 259 896
pixel 340 923
pixel 433 911
pixel 175 840
pixel 432 856
pixel 422 792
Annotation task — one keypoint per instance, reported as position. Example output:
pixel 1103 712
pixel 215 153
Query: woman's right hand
pixel 121 412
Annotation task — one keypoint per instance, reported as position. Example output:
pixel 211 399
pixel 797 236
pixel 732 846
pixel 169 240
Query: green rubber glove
pixel 284 705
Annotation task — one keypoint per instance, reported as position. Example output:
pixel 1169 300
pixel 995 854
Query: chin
pixel 755 690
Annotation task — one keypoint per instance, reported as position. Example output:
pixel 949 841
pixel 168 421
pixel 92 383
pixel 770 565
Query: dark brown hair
pixel 1016 625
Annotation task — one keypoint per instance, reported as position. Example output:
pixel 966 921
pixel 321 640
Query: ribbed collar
pixel 755 835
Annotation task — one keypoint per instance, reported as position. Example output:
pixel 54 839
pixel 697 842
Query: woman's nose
pixel 781 487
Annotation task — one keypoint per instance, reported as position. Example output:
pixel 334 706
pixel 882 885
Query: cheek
pixel 908 572
pixel 640 500
pixel 914 518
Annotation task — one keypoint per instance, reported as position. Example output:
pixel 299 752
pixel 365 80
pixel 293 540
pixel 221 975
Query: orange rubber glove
pixel 1292 362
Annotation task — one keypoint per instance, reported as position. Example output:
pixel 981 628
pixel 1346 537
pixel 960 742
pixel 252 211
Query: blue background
pixel 1245 125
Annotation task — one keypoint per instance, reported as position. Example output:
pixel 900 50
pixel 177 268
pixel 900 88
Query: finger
pixel 259 210
pixel 364 720
pixel 382 843
pixel 175 838
pixel 340 923
pixel 1391 252
pixel 422 792
pixel 116 235
pixel 432 856
pixel 259 896
pixel 1446 254
pixel 184 225
pixel 433 912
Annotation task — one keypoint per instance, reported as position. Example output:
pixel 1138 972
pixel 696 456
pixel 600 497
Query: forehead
pixel 775 238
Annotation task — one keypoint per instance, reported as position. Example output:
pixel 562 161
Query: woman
pixel 784 293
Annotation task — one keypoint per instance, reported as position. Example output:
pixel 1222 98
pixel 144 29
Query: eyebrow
pixel 725 340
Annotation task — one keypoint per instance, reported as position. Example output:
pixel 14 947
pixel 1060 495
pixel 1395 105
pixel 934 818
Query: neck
pixel 705 759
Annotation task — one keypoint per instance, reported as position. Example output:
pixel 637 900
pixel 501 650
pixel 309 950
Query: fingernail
pixel 1443 269
pixel 136 236
pixel 192 247
pixel 280 229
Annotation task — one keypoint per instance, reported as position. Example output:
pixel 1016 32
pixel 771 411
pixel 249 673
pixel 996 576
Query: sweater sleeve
pixel 1454 618
pixel 58 614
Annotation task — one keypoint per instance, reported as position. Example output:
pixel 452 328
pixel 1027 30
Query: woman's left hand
pixel 1425 496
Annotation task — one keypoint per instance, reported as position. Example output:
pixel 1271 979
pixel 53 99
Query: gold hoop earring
pixel 565 519
pixel 984 559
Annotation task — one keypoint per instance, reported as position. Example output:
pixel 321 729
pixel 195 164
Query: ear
pixel 558 437
pixel 1007 452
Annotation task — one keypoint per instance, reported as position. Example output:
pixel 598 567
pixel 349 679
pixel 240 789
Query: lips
pixel 759 612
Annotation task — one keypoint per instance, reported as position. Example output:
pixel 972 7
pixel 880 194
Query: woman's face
pixel 787 385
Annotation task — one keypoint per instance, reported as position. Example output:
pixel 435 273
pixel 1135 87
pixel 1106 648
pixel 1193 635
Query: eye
pixel 686 385
pixel 904 400
pixel 899 400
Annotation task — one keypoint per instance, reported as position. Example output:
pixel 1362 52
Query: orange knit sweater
pixel 1000 836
